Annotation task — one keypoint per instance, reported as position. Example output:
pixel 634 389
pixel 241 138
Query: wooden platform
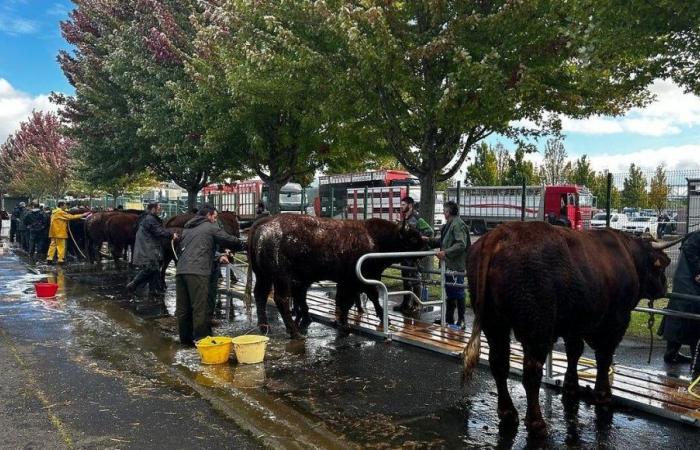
pixel 657 394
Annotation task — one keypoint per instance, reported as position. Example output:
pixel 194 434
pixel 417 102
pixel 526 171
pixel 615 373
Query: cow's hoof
pixel 602 398
pixel 297 337
pixel 570 389
pixel 508 417
pixel 536 428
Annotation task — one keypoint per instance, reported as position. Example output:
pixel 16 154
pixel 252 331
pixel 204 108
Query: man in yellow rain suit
pixel 58 232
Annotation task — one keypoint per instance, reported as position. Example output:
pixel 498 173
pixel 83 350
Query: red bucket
pixel 46 290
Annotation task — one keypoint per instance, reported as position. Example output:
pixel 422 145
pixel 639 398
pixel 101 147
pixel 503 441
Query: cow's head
pixel 653 284
pixel 410 239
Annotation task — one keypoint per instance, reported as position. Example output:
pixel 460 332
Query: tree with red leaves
pixel 36 159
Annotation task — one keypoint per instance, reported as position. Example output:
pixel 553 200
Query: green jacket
pixel 454 241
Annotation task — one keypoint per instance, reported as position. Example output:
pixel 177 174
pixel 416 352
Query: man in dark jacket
pixel 686 280
pixel 454 242
pixel 148 249
pixel 412 219
pixel 22 230
pixel 37 225
pixel 194 270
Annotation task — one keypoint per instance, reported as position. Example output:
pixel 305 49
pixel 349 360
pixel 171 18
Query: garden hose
pixel 75 243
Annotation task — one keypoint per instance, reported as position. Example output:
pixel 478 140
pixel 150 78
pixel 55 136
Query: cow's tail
pixel 472 351
pixel 247 296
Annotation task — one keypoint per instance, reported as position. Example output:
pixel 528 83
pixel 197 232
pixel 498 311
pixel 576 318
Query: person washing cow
pixel 677 331
pixel 413 220
pixel 148 250
pixel 194 271
pixel 58 232
pixel 454 242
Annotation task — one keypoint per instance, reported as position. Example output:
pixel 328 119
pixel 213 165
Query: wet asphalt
pixel 95 369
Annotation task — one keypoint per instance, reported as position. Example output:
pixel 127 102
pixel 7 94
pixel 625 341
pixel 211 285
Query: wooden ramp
pixel 657 394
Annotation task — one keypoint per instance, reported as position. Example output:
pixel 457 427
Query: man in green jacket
pixel 194 269
pixel 454 242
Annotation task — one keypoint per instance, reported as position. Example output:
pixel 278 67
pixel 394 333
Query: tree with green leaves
pixel 254 58
pixel 634 192
pixel 659 189
pixel 438 77
pixel 582 173
pixel 484 170
pixel 518 168
pixel 555 168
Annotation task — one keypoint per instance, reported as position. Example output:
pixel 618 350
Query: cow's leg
pixel 535 356
pixel 574 350
pixel 373 296
pixel 499 363
pixel 344 300
pixel 301 308
pixel 263 286
pixel 282 296
pixel 602 394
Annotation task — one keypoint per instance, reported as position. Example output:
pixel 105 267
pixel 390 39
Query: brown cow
pixel 120 233
pixel 96 233
pixel 290 252
pixel 545 282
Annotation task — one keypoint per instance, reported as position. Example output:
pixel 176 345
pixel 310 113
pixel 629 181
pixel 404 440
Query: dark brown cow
pixel 176 224
pixel 120 233
pixel 290 252
pixel 545 282
pixel 96 232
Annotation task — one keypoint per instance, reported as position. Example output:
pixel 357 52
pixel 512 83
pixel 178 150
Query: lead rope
pixel 172 246
pixel 694 367
pixel 650 325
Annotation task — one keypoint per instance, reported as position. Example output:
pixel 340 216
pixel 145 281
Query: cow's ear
pixel 657 263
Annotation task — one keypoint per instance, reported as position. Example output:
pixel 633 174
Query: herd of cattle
pixel 539 281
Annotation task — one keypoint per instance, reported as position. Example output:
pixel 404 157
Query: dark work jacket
pixel 685 331
pixel 148 248
pixel 36 222
pixel 198 244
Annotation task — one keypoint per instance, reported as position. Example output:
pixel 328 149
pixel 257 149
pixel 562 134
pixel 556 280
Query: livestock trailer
pixel 484 207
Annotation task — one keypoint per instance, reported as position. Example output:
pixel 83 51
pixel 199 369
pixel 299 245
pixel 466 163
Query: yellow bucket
pixel 250 348
pixel 214 350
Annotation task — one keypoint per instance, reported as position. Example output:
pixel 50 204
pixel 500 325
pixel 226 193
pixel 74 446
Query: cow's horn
pixel 665 245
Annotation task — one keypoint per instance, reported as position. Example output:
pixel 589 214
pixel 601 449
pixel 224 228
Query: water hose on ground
pixel 75 243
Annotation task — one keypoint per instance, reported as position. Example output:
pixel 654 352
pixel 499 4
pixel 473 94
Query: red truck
pixel 484 207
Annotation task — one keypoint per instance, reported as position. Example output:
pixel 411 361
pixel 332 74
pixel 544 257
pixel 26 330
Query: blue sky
pixel 667 131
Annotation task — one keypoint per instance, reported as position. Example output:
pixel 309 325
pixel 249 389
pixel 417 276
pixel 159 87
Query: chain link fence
pixel 662 203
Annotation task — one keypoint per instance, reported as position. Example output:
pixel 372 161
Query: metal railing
pixel 384 293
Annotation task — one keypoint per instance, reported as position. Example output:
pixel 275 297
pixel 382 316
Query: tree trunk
pixel 192 198
pixel 427 196
pixel 273 195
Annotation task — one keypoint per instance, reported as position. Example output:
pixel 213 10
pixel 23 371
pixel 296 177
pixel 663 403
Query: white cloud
pixel 671 110
pixel 684 157
pixel 14 26
pixel 16 106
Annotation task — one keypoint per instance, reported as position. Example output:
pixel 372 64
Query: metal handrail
pixel 381 287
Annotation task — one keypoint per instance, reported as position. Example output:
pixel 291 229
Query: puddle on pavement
pixel 373 394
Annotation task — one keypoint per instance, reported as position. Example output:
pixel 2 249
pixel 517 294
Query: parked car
pixel 616 220
pixel 642 225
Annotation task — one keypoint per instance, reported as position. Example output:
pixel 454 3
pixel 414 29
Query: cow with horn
pixel 545 283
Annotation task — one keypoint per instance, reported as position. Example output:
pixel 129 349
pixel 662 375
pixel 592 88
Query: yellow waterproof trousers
pixel 57 244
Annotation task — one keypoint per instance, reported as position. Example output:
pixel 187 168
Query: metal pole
pixel 523 200
pixel 687 210
pixel 365 208
pixel 459 187
pixel 443 308
pixel 332 200
pixel 608 200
